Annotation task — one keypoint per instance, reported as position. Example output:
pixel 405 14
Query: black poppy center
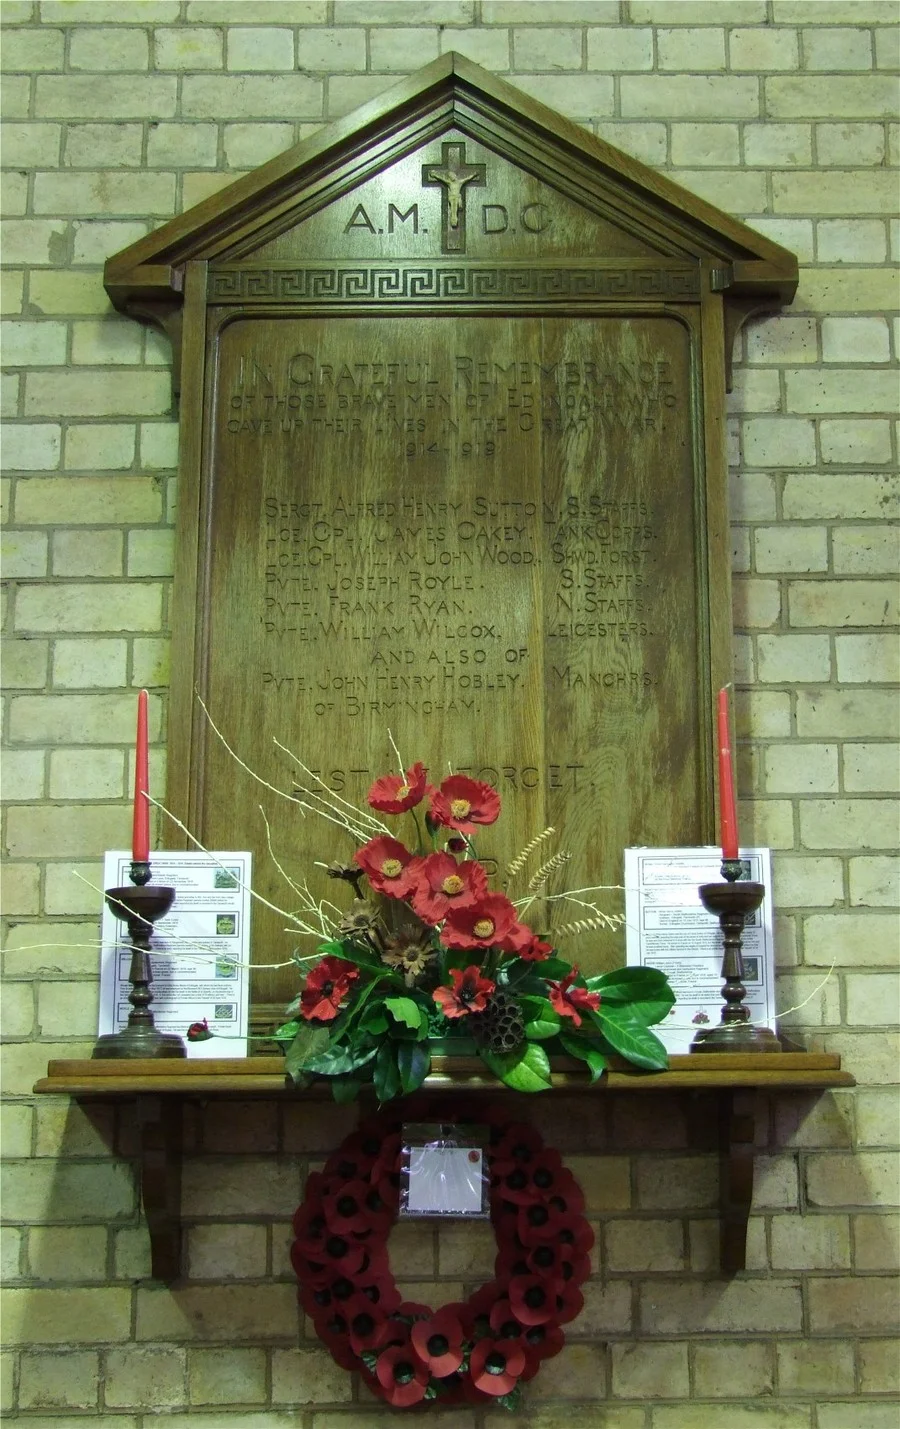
pixel 495 1362
pixel 403 1372
pixel 336 1246
pixel 510 1329
pixel 322 1297
pixel 516 1180
pixel 327 988
pixel 544 1256
pixel 342 1289
pixel 535 1334
pixel 521 1152
pixel 538 1215
pixel 535 1297
pixel 374 1201
pixel 543 1178
pixel 438 1345
pixel 363 1324
pixel 346 1205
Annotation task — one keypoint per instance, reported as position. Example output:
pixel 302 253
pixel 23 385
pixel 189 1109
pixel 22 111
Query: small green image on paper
pixel 226 878
pixel 226 925
pixel 226 967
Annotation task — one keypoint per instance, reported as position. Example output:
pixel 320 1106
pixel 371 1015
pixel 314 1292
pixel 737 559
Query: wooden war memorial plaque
pixel 452 400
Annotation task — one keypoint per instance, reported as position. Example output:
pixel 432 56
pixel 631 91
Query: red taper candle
pixel 727 810
pixel 140 836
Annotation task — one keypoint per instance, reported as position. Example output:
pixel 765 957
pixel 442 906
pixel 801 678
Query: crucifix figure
pixel 453 174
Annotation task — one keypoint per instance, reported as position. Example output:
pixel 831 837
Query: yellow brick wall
pixel 783 112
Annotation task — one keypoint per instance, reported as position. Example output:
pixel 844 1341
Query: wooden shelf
pixel 160 1088
pixel 264 1076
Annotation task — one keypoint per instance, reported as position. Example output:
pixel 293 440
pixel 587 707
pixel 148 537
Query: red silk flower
pixel 388 865
pixel 485 925
pixel 445 884
pixel 567 1000
pixel 395 793
pixel 327 984
pixel 469 993
pixel 462 804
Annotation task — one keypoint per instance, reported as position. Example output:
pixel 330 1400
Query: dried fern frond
pixel 521 859
pixel 609 922
pixel 559 860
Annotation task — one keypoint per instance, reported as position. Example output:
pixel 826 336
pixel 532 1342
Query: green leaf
pixel 413 1064
pixel 512 1400
pixel 373 1019
pixel 545 1024
pixel 345 1089
pixel 405 1010
pixel 585 1051
pixel 555 968
pixel 632 1039
pixel 288 1030
pixel 527 1069
pixel 385 1074
pixel 309 1042
pixel 335 1061
pixel 645 991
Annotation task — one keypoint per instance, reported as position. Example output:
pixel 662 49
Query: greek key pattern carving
pixel 340 283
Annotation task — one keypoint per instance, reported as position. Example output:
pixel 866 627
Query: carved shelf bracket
pixel 160 1121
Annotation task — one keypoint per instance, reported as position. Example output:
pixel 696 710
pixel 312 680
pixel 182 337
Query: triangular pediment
pixel 394 178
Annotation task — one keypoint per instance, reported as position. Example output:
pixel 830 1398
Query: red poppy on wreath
pixel 483 925
pixel 367 1324
pixel 345 1209
pixel 445 884
pixel 496 1365
pixel 395 793
pixel 517 1146
pixel 469 993
pixel 199 1032
pixel 388 865
pixel 402 1375
pixel 327 984
pixel 438 1341
pixel 571 1001
pixel 462 804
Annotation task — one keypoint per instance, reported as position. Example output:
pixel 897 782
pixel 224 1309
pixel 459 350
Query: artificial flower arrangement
pixel 436 954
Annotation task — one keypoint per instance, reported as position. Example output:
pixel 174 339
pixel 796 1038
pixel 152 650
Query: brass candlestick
pixel 731 901
pixel 139 904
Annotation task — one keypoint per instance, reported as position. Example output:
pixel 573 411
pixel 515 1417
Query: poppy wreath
pixel 477 1351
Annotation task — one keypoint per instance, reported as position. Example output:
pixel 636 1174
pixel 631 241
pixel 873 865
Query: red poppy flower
pixel 462 804
pixel 518 1146
pixel 395 793
pixel 483 925
pixel 503 1322
pixel 495 1365
pixel 569 1302
pixel 402 1376
pixel 536 1222
pixel 533 1299
pixel 445 884
pixel 526 944
pixel 540 1342
pixel 388 865
pixel 574 1232
pixel 199 1032
pixel 327 984
pixel 367 1324
pixel 438 1342
pixel 345 1210
pixel 475 1313
pixel 469 993
pixel 566 999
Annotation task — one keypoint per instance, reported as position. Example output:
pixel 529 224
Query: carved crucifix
pixel 453 174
